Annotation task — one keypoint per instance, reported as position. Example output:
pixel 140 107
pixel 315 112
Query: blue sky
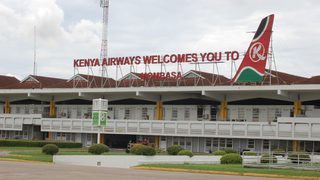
pixel 72 29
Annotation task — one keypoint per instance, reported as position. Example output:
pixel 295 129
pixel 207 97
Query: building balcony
pixel 285 128
pixel 299 128
pixel 16 121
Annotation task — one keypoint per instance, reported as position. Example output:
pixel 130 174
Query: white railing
pixel 283 129
pixel 16 121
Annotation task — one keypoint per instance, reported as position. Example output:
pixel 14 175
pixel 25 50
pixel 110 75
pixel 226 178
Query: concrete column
pixel 7 108
pixel 297 108
pixel 297 112
pixel 223 114
pixel 49 136
pixel 53 109
pixel 159 116
pixel 102 138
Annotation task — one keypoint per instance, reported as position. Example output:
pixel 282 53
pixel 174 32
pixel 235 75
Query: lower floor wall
pixel 195 144
pixel 200 144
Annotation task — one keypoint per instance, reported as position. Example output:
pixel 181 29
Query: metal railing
pixel 282 160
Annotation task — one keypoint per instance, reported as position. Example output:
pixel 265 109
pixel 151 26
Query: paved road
pixel 43 171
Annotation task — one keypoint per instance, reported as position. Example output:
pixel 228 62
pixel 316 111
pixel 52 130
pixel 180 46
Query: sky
pixel 67 30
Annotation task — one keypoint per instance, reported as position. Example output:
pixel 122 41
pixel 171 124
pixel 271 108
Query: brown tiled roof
pixel 204 79
pixel 89 81
pixel 131 82
pixel 38 83
pixel 201 79
pixel 213 79
pixel 281 78
pixel 7 81
pixel 312 80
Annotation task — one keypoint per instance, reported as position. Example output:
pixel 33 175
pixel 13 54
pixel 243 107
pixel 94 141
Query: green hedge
pixel 29 143
pixel 231 158
pixel 229 151
pixel 174 149
pixel 185 153
pixel 98 149
pixel 50 149
pixel 140 149
pixel 219 153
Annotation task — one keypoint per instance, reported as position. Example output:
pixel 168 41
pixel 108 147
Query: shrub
pixel 98 149
pixel 149 151
pixel 231 158
pixel 266 158
pixel 185 153
pixel 174 149
pixel 299 157
pixel 136 149
pixel 30 143
pixel 249 153
pixel 140 149
pixel 219 153
pixel 229 150
pixel 50 149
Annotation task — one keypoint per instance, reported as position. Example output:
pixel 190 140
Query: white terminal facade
pixel 200 111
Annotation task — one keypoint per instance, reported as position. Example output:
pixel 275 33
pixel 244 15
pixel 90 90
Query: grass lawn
pixel 237 168
pixel 35 154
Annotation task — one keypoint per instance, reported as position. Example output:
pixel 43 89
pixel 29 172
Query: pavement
pixel 4 153
pixel 46 171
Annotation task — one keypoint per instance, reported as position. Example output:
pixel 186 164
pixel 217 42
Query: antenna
pixel 34 51
pixel 104 44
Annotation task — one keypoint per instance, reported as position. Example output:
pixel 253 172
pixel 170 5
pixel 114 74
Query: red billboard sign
pixel 159 59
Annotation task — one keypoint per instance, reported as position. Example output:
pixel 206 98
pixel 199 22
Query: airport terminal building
pixel 200 111
pixel 258 109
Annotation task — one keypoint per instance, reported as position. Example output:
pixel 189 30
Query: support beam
pixel 295 146
pixel 53 109
pixel 7 108
pixel 297 108
pixel 159 110
pixel 102 138
pixel 297 112
pixel 49 136
pixel 159 116
pixel 223 110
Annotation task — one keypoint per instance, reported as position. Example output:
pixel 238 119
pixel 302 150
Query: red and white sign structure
pixel 159 59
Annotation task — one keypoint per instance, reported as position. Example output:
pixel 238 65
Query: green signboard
pixel 103 118
pixel 95 118
pixel 99 118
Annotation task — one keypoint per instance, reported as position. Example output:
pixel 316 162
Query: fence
pixel 282 160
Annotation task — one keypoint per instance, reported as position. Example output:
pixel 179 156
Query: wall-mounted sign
pixel 159 59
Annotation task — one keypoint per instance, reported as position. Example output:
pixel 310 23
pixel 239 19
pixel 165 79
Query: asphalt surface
pixel 44 171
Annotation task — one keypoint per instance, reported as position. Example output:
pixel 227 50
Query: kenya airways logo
pixel 257 52
pixel 253 65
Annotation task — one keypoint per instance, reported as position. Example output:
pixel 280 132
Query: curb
pixel 21 160
pixel 225 173
pixel 14 160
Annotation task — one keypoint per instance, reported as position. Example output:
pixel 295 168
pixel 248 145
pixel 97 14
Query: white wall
pixel 130 161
